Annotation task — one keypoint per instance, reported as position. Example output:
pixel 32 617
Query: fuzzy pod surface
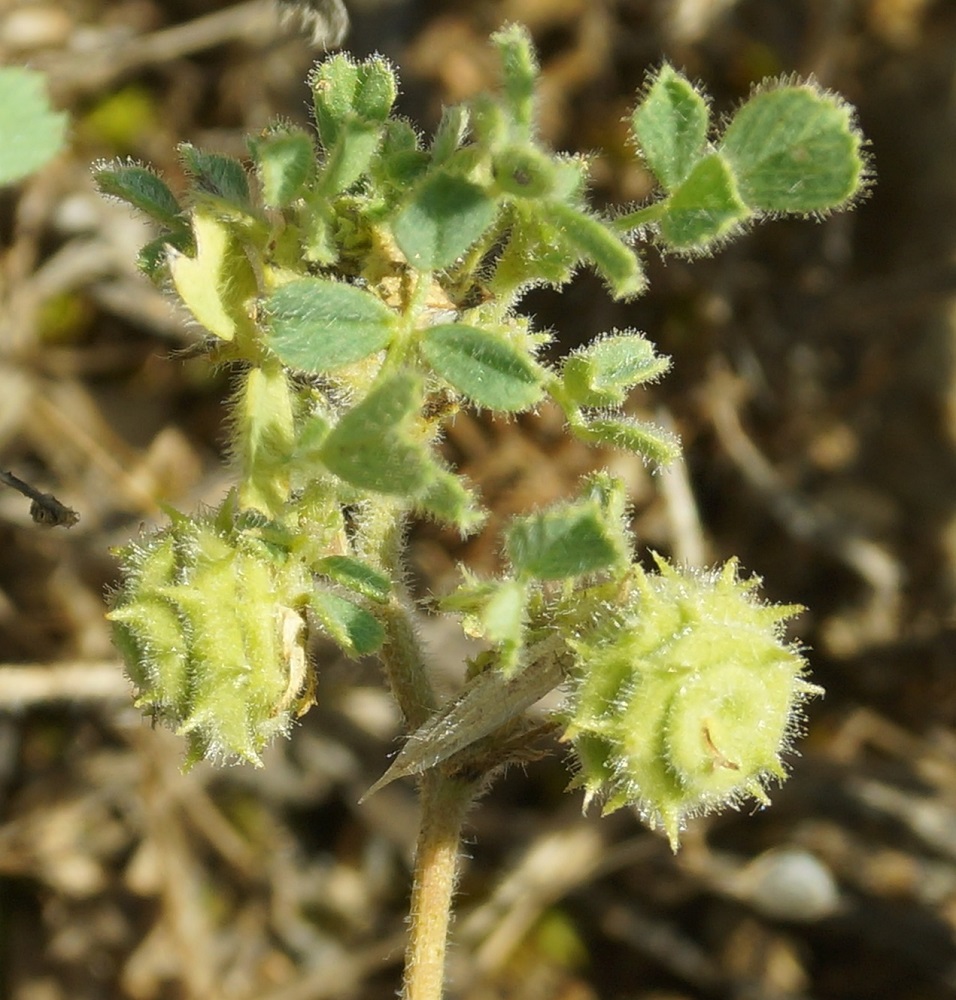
pixel 210 622
pixel 685 697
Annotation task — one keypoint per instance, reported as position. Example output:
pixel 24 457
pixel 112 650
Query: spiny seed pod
pixel 684 699
pixel 210 622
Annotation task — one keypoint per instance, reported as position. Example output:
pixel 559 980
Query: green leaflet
pixel 222 177
pixel 285 161
pixel 142 189
pixel 483 366
pixel 31 133
pixel 603 373
pixel 591 238
pixel 565 542
pixel 317 325
pixel 794 149
pixel 641 438
pixel 357 576
pixel 670 126
pixel 442 220
pixel 351 627
pixel 218 283
pixel 704 208
pixel 370 447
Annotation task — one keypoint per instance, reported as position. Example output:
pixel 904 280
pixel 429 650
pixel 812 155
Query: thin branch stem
pixel 381 537
pixel 643 216
pixel 404 662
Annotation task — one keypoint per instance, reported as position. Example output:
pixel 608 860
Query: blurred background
pixel 814 388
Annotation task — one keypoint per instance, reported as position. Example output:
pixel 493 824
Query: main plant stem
pixel 444 802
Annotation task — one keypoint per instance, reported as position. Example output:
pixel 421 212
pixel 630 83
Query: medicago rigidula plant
pixel 363 283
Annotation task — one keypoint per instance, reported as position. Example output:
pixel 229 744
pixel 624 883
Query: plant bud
pixel 684 699
pixel 210 622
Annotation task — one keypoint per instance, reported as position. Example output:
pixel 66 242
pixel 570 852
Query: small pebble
pixel 790 884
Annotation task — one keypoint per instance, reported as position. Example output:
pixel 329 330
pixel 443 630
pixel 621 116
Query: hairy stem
pixel 444 802
pixel 404 663
pixel 643 216
pixel 381 541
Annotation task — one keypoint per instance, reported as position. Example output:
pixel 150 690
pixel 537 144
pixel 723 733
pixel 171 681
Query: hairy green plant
pixel 363 282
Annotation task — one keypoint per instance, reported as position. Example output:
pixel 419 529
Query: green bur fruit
pixel 684 701
pixel 210 622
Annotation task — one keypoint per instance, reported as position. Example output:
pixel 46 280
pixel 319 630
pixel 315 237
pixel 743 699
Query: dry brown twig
pixel 45 509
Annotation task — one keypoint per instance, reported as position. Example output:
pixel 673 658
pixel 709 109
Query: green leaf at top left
pixel 30 131
pixel 318 325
